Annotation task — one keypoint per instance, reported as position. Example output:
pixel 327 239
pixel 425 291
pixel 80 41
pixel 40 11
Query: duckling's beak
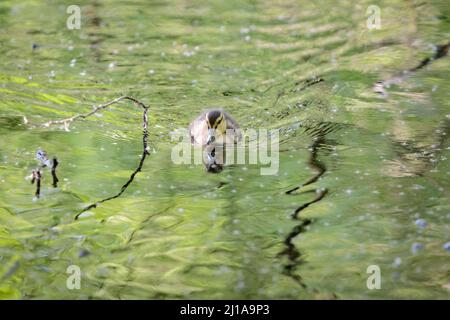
pixel 211 136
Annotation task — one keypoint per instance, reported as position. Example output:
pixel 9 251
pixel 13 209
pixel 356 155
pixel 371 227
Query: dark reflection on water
pixel 214 158
pixel 11 123
pixel 318 133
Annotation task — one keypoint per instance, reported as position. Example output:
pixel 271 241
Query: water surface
pixel 381 161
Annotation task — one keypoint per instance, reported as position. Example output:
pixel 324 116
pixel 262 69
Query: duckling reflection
pixel 213 158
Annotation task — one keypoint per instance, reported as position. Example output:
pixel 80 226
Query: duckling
pixel 214 126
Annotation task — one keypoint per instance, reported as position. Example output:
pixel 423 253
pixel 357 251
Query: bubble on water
pixel 72 62
pixel 151 71
pixel 349 191
pixel 188 53
pixel 247 38
pixel 320 190
pixel 112 65
pixel 180 210
pixel 416 247
pixel 86 214
pixel 236 232
pixel 83 73
pixel 223 269
pixel 397 261
pixel 421 223
pixel 213 215
pixel 446 246
pixel 240 286
pixel 264 270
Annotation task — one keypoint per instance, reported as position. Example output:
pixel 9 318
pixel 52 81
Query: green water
pixel 179 232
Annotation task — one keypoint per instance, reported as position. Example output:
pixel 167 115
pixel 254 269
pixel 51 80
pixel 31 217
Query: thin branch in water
pixel 380 86
pixel 36 177
pixel 54 177
pixel 145 152
pixel 307 83
pixel 66 122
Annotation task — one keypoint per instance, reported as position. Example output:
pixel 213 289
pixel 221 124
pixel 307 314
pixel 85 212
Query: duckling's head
pixel 217 125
